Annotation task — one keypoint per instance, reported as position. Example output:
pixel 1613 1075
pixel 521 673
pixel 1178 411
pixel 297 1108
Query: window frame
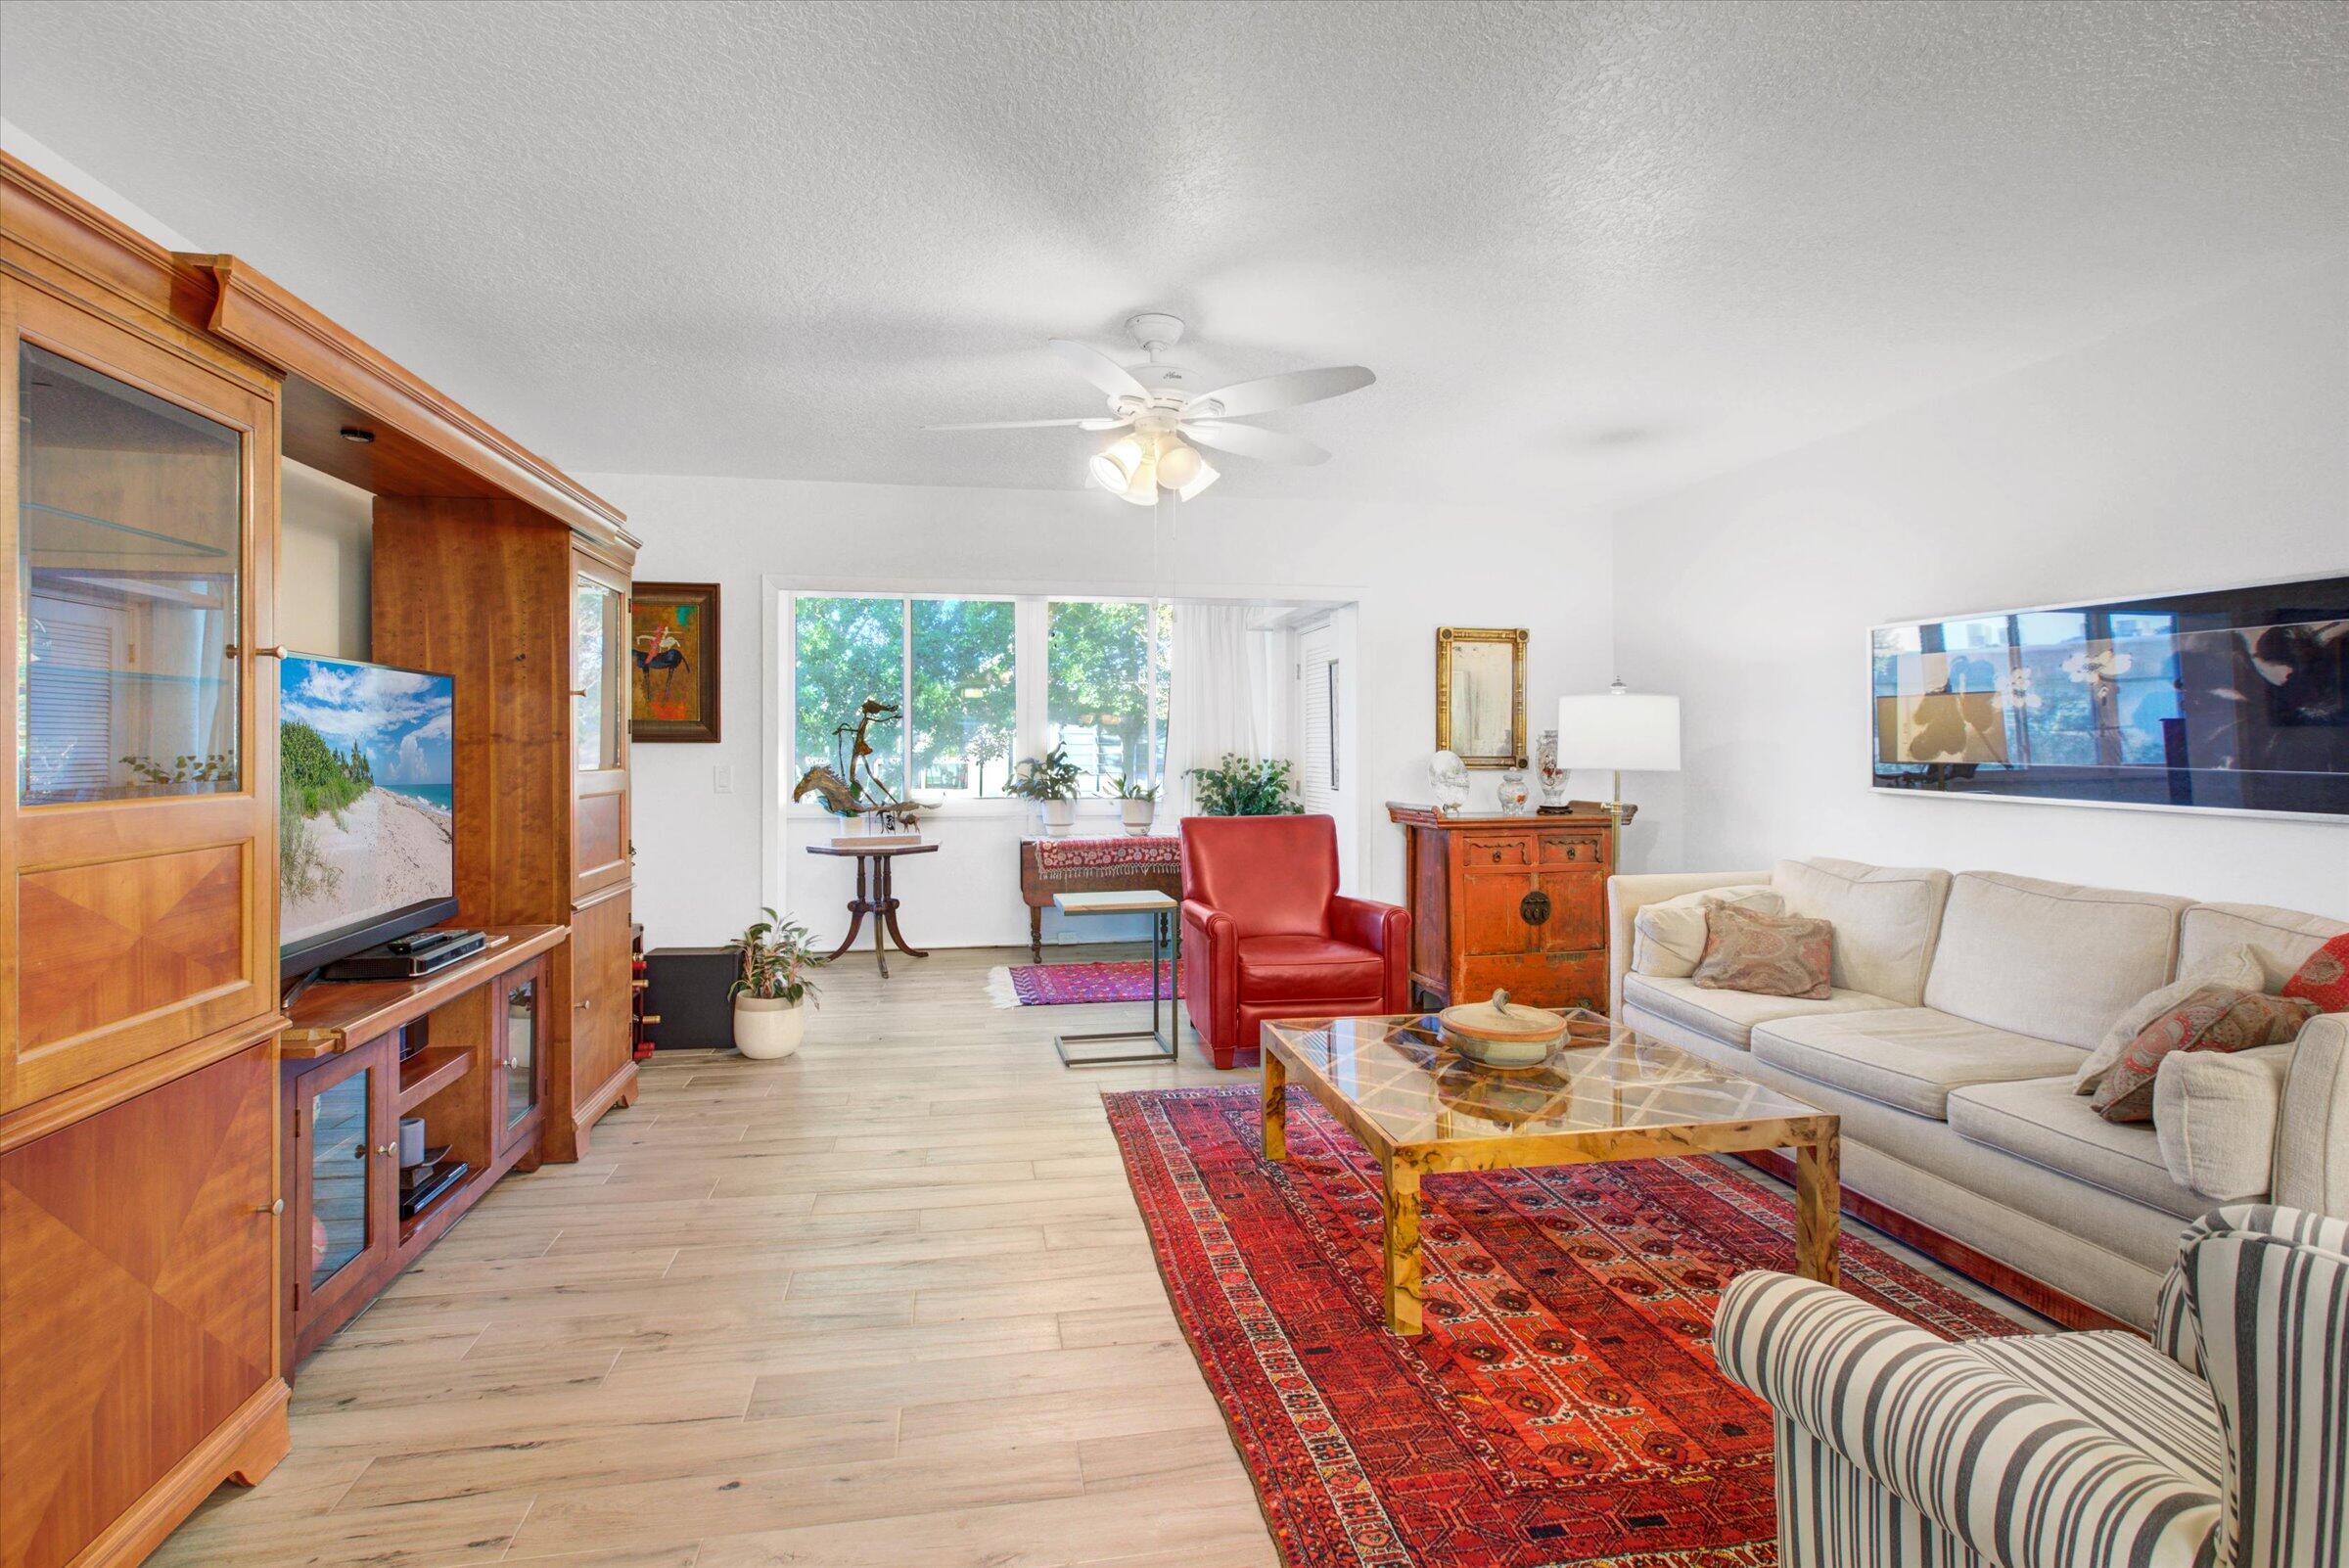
pixel 1031 682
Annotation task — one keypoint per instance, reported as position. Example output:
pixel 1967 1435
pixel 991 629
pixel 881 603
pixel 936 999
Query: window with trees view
pixel 982 683
pixel 1105 662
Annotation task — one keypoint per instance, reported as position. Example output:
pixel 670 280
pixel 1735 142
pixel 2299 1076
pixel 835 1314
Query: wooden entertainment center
pixel 168 1131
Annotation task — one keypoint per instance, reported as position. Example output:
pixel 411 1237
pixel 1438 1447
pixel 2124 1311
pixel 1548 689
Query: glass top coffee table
pixel 1609 1094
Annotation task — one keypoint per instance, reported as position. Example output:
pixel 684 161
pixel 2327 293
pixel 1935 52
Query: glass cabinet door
pixel 599 686
pixel 130 558
pixel 522 1051
pixel 341 1170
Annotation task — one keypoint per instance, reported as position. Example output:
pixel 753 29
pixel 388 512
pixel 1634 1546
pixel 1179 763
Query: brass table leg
pixel 1277 1108
pixel 1818 1210
pixel 1401 1238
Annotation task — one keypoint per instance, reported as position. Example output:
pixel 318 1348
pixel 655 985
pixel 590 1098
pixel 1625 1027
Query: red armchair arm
pixel 1211 975
pixel 1386 930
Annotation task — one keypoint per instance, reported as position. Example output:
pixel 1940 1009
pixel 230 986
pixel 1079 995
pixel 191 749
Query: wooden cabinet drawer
pixel 1541 980
pixel 1574 849
pixel 1479 851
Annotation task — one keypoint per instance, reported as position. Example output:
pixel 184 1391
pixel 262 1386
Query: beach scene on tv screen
pixel 366 781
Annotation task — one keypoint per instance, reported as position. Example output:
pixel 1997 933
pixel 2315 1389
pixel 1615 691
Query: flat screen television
pixel 366 840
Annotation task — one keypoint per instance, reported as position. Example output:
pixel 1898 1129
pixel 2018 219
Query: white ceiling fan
pixel 1162 417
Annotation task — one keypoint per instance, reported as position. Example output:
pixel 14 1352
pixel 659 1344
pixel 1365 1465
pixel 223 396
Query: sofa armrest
pixel 2312 1132
pixel 1627 896
pixel 1975 1449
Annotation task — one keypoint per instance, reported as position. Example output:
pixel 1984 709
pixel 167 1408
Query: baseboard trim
pixel 2008 1281
pixel 242 1449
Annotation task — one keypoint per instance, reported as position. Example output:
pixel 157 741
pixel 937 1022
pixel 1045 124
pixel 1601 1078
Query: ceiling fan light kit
pixel 1166 423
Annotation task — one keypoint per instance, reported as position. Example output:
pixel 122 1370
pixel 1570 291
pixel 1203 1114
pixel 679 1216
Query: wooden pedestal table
pixel 1165 937
pixel 876 896
pixel 1423 1109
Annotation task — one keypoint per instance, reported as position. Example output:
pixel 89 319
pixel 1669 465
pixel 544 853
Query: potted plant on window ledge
pixel 772 988
pixel 1137 805
pixel 1246 786
pixel 1049 780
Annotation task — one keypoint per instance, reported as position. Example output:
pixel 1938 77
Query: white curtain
pixel 1219 700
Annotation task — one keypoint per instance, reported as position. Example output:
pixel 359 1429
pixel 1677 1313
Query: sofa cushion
pixel 1730 1016
pixel 2215 1117
pixel 2048 958
pixel 1909 1058
pixel 2282 937
pixel 1668 937
pixel 1307 969
pixel 2042 1121
pixel 1885 919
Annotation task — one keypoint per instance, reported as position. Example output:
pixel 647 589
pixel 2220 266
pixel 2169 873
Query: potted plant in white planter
pixel 1049 780
pixel 1137 804
pixel 773 988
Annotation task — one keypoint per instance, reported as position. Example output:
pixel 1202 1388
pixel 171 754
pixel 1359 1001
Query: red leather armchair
pixel 1266 933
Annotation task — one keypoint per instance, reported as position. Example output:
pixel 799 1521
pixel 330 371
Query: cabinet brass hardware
pixel 585 1002
pixel 386 1150
pixel 274 650
pixel 578 691
pixel 277 1207
pixel 1533 907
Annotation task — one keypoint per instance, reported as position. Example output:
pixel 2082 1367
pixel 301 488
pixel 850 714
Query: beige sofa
pixel 1962 1007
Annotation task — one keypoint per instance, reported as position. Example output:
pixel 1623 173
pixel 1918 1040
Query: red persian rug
pixel 1563 1406
pixel 1063 984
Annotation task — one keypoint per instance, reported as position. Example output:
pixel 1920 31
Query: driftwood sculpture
pixel 834 790
pixel 842 791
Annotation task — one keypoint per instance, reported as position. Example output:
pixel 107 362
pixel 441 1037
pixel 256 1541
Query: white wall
pixel 326 532
pixel 2207 449
pixel 1411 569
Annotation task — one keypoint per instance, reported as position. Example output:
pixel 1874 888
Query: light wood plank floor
pixel 888 1303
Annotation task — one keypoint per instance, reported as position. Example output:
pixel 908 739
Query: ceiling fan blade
pixel 1248 441
pixel 1269 392
pixel 1103 422
pixel 1099 369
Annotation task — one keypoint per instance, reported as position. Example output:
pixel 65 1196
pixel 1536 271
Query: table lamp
pixel 1622 732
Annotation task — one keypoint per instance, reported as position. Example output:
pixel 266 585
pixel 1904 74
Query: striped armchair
pixel 2222 1444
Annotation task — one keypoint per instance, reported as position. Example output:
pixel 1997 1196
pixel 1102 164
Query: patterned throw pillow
pixel 1770 955
pixel 2215 1018
pixel 2325 977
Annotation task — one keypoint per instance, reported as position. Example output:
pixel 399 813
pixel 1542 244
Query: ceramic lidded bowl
pixel 1502 1034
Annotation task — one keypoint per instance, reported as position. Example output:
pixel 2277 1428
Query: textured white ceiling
pixel 1593 250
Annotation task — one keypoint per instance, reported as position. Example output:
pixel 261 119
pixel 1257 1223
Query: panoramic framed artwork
pixel 2217 700
pixel 1480 694
pixel 673 662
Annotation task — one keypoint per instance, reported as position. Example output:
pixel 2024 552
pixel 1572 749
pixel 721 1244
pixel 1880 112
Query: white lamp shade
pixel 1620 731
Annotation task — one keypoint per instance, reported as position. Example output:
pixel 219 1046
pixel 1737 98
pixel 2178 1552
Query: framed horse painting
pixel 673 662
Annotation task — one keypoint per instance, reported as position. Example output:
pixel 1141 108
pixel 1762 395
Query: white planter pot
pixel 1060 816
pixel 767 1029
pixel 1139 815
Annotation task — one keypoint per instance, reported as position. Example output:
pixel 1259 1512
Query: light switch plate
pixel 721 778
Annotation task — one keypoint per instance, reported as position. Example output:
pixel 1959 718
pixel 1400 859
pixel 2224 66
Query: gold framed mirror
pixel 1480 694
